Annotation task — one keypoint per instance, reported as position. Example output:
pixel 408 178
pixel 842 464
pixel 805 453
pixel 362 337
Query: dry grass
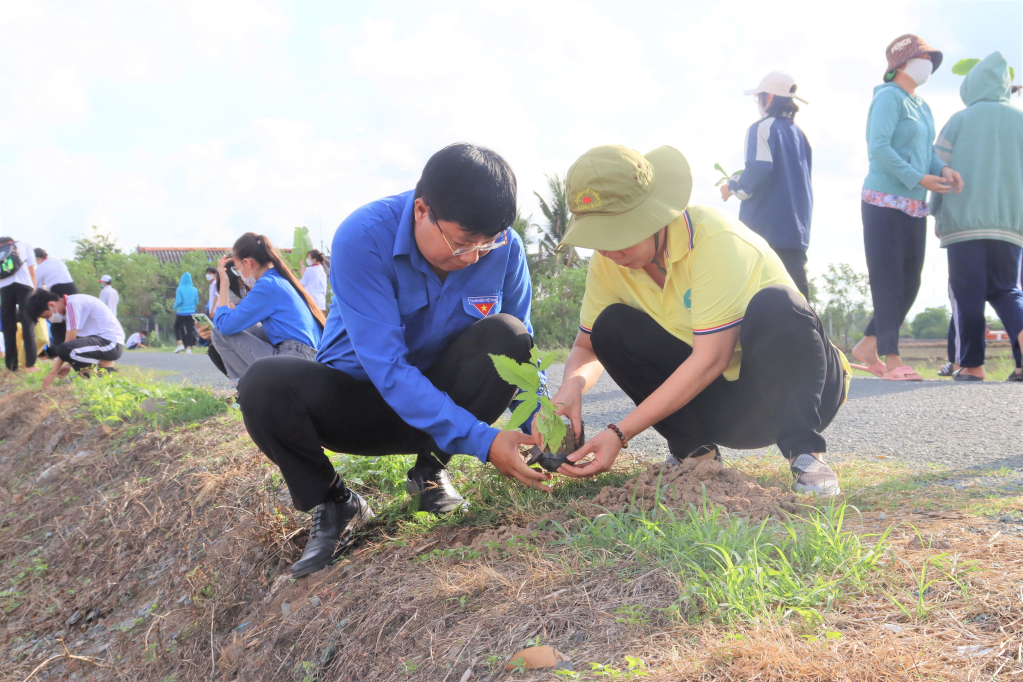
pixel 164 556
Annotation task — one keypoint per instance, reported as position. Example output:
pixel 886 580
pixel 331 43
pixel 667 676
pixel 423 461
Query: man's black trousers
pixel 894 243
pixel 790 386
pixel 293 408
pixel 14 309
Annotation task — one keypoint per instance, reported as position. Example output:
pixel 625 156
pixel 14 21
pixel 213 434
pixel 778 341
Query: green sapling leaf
pixel 520 375
pixel 547 361
pixel 551 426
pixel 522 412
pixel 963 66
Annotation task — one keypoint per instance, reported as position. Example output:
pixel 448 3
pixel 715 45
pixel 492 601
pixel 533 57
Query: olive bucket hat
pixel 619 197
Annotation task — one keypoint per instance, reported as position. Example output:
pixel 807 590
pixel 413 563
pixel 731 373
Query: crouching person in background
pixel 426 284
pixel 277 317
pixel 94 337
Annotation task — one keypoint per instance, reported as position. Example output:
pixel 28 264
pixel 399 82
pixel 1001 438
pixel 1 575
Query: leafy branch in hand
pixel 525 376
pixel 725 177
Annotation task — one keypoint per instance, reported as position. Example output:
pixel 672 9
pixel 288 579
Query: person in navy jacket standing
pixel 777 198
pixel 426 284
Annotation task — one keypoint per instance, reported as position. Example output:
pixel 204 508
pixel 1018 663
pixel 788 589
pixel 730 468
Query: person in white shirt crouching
pixel 94 337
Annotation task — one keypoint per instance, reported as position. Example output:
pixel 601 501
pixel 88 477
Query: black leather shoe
pixel 331 534
pixel 436 493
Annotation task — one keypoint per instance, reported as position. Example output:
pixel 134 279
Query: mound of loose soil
pixel 676 486
pixel 680 485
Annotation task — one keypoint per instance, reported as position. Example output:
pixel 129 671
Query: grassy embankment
pixel 143 532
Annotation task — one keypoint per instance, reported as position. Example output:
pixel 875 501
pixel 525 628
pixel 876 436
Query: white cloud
pixel 274 114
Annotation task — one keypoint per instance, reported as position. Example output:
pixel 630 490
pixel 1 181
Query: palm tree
pixel 555 209
pixel 524 226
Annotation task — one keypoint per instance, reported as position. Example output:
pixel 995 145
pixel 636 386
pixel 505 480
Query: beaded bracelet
pixel 625 443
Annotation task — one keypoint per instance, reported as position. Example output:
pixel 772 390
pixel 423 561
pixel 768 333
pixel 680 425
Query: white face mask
pixel 309 262
pixel 55 317
pixel 209 278
pixel 919 70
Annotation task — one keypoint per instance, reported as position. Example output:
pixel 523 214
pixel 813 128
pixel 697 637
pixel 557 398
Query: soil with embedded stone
pixel 676 486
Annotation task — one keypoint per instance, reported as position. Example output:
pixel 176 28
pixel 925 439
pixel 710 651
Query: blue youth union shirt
pixel 391 316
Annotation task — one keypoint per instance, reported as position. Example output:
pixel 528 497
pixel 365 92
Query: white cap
pixel 779 84
pixel 105 278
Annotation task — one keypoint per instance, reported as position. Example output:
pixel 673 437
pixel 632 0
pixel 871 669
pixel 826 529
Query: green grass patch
pixel 731 571
pixel 133 397
pixel 493 499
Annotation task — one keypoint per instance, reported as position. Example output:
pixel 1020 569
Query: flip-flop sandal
pixel 903 373
pixel 877 369
pixel 946 370
pixel 959 376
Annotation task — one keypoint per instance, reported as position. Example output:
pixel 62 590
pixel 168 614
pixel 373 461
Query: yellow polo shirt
pixel 715 265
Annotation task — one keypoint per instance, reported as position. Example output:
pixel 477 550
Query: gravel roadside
pixel 958 425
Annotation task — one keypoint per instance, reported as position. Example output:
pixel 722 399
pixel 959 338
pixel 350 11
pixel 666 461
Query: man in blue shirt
pixel 426 284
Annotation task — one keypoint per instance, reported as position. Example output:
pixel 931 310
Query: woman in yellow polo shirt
pixel 696 319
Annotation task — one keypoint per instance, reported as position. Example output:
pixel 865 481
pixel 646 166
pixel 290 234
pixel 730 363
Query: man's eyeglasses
pixel 498 241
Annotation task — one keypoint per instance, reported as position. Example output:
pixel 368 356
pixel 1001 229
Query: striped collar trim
pixel 689 236
pixel 719 328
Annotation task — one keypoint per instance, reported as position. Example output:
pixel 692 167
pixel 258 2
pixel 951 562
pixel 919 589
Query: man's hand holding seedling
pixel 504 455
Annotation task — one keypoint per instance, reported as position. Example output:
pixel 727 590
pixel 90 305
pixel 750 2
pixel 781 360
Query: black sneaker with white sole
pixel 814 477
pixel 434 490
pixel 333 526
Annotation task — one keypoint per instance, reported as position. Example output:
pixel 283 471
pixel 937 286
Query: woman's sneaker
pixel 814 477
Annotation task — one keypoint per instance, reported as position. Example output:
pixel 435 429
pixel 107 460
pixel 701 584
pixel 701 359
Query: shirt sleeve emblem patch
pixel 484 304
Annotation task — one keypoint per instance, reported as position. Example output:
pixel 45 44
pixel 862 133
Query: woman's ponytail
pixel 259 248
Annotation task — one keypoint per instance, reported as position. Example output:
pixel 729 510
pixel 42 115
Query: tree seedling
pixel 557 439
pixel 725 176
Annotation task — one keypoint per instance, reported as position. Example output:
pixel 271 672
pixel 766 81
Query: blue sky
pixel 190 122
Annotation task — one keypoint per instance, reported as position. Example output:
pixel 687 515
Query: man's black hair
pixel 41 254
pixel 143 332
pixel 472 186
pixel 37 303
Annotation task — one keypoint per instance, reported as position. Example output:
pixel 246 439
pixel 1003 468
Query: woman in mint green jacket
pixel 903 167
pixel 982 228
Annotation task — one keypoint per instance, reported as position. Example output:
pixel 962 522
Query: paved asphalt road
pixel 959 425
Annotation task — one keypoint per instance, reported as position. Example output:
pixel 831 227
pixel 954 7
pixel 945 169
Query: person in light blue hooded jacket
pixel 186 299
pixel 982 228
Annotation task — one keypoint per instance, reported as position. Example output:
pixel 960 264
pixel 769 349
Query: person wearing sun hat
pixel 695 318
pixel 903 168
pixel 774 187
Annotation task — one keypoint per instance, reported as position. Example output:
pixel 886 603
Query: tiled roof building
pixel 173 254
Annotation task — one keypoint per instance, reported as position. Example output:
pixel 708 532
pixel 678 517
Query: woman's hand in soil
pixel 935 184
pixel 953 179
pixel 504 455
pixel 604 447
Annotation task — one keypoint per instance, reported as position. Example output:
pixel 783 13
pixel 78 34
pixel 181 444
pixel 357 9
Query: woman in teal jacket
pixel 982 228
pixel 903 167
pixel 186 299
